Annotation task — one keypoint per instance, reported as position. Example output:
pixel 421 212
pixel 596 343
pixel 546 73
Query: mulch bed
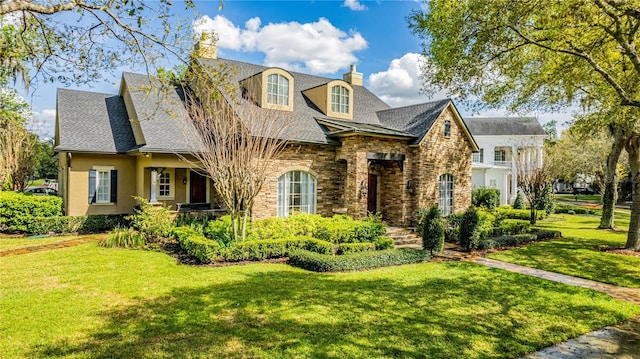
pixel 618 250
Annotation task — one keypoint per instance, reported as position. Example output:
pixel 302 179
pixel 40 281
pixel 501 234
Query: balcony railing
pixel 502 163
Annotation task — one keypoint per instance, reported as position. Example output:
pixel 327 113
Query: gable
pixel 451 113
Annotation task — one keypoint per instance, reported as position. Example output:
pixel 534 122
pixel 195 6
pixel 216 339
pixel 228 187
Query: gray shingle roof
pixel 347 126
pixel 414 119
pixel 524 126
pixel 93 122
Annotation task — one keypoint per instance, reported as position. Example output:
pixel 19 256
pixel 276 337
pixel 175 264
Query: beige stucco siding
pixel 77 195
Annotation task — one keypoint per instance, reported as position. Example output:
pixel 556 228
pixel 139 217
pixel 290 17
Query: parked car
pixel 41 191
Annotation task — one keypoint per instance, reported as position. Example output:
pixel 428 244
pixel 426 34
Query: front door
pixel 372 197
pixel 198 188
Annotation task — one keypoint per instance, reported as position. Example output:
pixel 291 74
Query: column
pixel 154 182
pixel 540 153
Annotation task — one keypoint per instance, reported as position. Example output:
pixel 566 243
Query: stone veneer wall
pixel 438 155
pixel 319 160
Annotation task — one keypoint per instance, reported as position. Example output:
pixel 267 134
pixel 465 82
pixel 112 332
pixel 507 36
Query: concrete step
pixel 404 238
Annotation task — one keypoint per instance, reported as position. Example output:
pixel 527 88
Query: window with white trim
pixel 478 157
pixel 445 199
pixel 340 99
pixel 277 90
pixel 164 184
pixel 296 193
pixel 500 155
pixel 103 186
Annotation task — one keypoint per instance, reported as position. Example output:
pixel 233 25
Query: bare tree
pixel 13 140
pixel 236 142
pixel 534 182
pixel 25 162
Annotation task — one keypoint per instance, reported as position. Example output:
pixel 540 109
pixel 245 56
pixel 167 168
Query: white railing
pixel 502 163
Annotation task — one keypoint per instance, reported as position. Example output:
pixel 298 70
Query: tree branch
pixel 21 5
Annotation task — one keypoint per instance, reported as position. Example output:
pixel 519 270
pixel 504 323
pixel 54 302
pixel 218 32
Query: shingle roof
pixel 93 122
pixel 347 126
pixel 512 126
pixel 414 119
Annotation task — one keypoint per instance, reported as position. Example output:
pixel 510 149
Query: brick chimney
pixel 353 77
pixel 206 47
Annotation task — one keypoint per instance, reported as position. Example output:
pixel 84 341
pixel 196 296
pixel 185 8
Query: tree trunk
pixel 244 225
pixel 234 225
pixel 633 237
pixel 533 214
pixel 610 195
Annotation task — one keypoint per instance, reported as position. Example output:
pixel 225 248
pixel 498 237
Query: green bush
pixel 570 209
pixel 383 243
pixel 220 231
pixel 357 261
pixel 95 223
pixel 152 221
pixel 344 229
pixel 475 227
pixel 431 228
pixel 506 212
pixel 198 246
pixel 511 226
pixel 519 202
pixel 303 224
pixel 181 233
pixel 18 210
pixel 270 228
pixel 123 238
pixel 274 248
pixel 543 234
pixel 452 228
pixel 488 198
pixel 349 248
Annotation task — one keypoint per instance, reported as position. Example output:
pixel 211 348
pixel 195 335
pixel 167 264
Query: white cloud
pixel 401 84
pixel 43 123
pixel 317 47
pixel 354 5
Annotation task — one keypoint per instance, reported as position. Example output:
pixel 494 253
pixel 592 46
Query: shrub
pixel 269 228
pixel 488 198
pixel 303 224
pixel 198 246
pixel 452 228
pixel 519 202
pixel 547 201
pixel 431 228
pixel 383 243
pixel 274 248
pixel 570 209
pixel 220 231
pixel 543 234
pixel 476 226
pixel 123 238
pixel 95 223
pixel 18 210
pixel 357 261
pixel 153 221
pixel 509 213
pixel 344 229
pixel 511 226
pixel 181 233
pixel 349 248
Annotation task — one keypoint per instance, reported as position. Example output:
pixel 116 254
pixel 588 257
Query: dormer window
pixel 277 90
pixel 340 99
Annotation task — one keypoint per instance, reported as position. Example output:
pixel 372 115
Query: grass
pixel 576 254
pixel 10 243
pixel 92 302
pixel 595 198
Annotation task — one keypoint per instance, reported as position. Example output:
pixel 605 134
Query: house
pixel 351 154
pixel 505 144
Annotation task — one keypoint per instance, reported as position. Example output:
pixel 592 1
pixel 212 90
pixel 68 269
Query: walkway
pixel 621 341
pixel 49 246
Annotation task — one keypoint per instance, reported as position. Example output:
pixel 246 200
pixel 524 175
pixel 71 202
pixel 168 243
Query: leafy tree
pixel 550 131
pixel 45 163
pixel 539 53
pixel 488 198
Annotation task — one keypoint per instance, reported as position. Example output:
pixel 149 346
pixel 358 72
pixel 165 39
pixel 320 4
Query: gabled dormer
pixel 334 99
pixel 271 88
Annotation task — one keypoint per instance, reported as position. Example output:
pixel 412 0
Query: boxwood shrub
pixel 516 239
pixel 200 247
pixel 348 248
pixel 511 226
pixel 356 261
pixel 95 223
pixel 383 242
pixel 274 248
pixel 543 234
pixel 506 212
pixel 344 229
pixel 571 209
pixel 19 210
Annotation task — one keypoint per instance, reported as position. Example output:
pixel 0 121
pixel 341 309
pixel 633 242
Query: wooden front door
pixel 372 194
pixel 198 188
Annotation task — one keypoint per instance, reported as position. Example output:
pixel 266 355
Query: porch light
pixel 410 186
pixel 363 189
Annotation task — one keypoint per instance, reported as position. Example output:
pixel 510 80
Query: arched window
pixel 445 200
pixel 340 99
pixel 277 90
pixel 296 193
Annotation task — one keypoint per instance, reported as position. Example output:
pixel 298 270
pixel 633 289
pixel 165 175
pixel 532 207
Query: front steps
pixel 404 237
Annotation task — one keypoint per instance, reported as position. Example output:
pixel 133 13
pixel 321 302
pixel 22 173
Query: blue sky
pixel 316 37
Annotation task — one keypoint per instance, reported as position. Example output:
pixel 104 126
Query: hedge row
pixel 571 209
pixel 505 212
pixel 19 210
pixel 511 227
pixel 274 248
pixel 95 223
pixel 514 240
pixel 357 261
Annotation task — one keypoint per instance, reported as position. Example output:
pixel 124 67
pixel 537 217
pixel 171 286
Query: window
pixel 164 184
pixel 447 128
pixel 103 182
pixel 478 157
pixel 339 99
pixel 493 183
pixel 445 201
pixel 277 90
pixel 296 193
pixel 500 155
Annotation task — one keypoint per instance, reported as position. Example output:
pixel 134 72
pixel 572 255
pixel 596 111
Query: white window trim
pixel 99 169
pixel 282 208
pixel 172 184
pixel 341 97
pixel 445 208
pixel 279 96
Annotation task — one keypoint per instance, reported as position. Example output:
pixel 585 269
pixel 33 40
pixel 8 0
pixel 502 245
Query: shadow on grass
pixel 463 310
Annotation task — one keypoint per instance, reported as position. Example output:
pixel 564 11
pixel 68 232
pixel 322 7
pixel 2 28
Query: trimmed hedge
pixel 383 242
pixel 544 234
pixel 19 210
pixel 488 198
pixel 357 261
pixel 201 247
pixel 511 227
pixel 476 226
pixel 343 229
pixel 349 248
pixel 571 209
pixel 514 240
pixel 274 248
pixel 95 223
pixel 505 212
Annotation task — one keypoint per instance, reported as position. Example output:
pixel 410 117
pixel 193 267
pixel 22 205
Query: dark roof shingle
pixel 512 126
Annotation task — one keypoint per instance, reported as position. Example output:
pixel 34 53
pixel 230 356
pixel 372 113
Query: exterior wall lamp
pixel 363 189
pixel 410 187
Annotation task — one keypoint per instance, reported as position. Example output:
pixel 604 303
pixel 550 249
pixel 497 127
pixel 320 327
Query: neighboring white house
pixel 504 142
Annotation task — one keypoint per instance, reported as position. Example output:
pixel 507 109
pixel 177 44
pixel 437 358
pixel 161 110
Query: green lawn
pixel 9 243
pixel 576 254
pixel 92 302
pixel 581 198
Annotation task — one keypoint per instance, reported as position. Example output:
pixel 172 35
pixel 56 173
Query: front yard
pixel 88 301
pixel 577 254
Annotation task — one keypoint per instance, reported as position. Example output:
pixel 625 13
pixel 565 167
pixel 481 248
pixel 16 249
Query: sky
pixel 316 37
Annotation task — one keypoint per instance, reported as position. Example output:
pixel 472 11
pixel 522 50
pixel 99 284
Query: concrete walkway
pixel 620 341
